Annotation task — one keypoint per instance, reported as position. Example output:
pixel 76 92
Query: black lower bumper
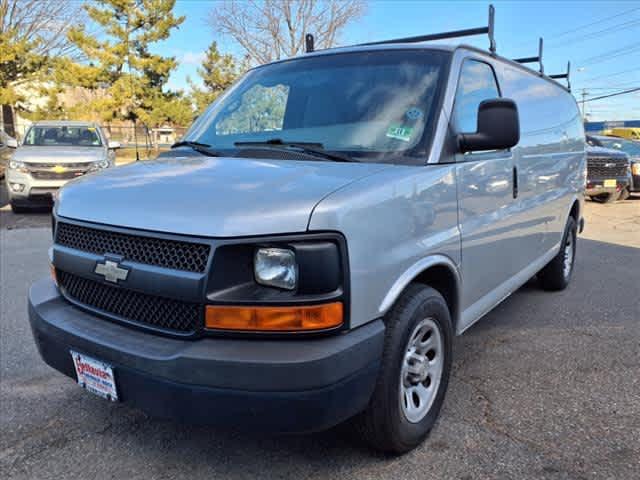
pixel 274 385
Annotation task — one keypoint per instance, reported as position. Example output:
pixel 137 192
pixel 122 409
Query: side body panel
pixel 550 156
pixel 393 220
pixel 523 233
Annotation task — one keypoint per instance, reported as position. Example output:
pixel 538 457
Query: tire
pixel 624 194
pixel 556 275
pixel 389 424
pixel 605 197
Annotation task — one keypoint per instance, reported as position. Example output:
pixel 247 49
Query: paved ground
pixel 546 386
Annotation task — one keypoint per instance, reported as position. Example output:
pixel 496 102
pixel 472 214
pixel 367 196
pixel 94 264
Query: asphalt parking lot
pixel 546 386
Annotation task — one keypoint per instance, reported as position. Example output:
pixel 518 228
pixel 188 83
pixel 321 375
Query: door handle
pixel 515 182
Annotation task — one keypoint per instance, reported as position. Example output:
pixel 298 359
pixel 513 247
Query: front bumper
pixel 34 191
pixel 275 385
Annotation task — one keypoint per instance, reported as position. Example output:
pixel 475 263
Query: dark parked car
pixel 607 173
pixel 631 148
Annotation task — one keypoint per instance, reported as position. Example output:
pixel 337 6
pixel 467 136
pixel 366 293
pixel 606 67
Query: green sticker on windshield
pixel 400 133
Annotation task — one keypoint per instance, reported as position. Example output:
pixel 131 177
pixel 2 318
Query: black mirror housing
pixel 498 127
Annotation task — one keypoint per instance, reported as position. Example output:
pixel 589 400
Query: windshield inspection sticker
pixel 414 113
pixel 400 133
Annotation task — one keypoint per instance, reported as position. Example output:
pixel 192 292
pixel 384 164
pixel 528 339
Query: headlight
pixel 635 168
pixel 100 165
pixel 19 166
pixel 276 267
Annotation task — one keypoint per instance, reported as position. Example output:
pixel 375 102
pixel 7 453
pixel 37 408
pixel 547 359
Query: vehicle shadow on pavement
pixel 36 217
pixel 542 387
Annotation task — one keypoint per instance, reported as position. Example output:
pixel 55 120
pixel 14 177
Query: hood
pixel 59 154
pixel 208 196
pixel 608 152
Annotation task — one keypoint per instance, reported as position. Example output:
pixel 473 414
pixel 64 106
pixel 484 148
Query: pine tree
pixel 218 72
pixel 120 63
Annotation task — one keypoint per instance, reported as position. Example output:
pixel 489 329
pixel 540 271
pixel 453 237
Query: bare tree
pixel 272 29
pixel 42 24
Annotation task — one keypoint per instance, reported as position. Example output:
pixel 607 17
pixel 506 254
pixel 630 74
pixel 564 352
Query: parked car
pixel 7 144
pixel 631 148
pixel 51 154
pixel 630 133
pixel 608 173
pixel 306 254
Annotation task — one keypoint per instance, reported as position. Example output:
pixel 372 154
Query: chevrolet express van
pixel 307 253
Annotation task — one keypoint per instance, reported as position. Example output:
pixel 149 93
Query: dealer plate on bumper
pixel 95 376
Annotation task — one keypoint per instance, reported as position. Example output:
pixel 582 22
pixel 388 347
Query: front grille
pixel 45 175
pixel 147 310
pixel 596 167
pixel 160 252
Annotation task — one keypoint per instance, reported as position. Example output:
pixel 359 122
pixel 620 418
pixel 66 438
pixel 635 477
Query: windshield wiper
pixel 203 148
pixel 310 148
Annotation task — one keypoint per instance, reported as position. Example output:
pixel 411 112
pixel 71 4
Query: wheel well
pixel 441 278
pixel 575 211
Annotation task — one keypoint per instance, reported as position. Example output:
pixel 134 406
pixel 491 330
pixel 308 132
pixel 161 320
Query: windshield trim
pixel 417 154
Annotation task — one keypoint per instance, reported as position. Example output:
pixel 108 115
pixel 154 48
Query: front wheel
pixel 624 194
pixel 605 197
pixel 414 373
pixel 557 273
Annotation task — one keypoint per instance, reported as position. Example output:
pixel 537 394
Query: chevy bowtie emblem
pixel 111 271
pixel 59 169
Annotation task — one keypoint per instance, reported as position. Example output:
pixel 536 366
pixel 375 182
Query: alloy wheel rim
pixel 421 370
pixel 568 256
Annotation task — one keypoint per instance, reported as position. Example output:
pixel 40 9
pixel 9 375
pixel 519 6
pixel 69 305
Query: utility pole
pixel 584 97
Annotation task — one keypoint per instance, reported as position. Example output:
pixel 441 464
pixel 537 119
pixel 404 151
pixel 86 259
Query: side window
pixel 477 83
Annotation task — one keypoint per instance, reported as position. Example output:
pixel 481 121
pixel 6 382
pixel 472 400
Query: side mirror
pixel 12 143
pixel 113 145
pixel 498 127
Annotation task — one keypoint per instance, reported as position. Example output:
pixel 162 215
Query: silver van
pixel 52 153
pixel 307 253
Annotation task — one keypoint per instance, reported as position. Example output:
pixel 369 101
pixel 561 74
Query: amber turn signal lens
pixel 53 274
pixel 274 319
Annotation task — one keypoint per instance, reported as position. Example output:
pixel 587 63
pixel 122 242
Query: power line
pixel 624 49
pixel 600 33
pixel 624 92
pixel 615 74
pixel 582 27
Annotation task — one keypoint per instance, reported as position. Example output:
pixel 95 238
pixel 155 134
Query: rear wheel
pixel 414 373
pixel 557 273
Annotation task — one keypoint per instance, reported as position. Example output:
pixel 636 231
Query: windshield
pixel 63 136
pixel 629 147
pixel 380 105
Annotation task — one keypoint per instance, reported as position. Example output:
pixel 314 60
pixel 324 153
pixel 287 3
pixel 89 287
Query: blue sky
pixel 580 31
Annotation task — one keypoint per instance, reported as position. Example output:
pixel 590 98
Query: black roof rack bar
pixel 308 43
pixel 533 59
pixel 454 34
pixel 564 75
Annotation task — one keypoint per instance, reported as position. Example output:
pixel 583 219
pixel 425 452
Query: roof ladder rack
pixel 308 43
pixel 435 36
pixel 564 75
pixel 534 59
